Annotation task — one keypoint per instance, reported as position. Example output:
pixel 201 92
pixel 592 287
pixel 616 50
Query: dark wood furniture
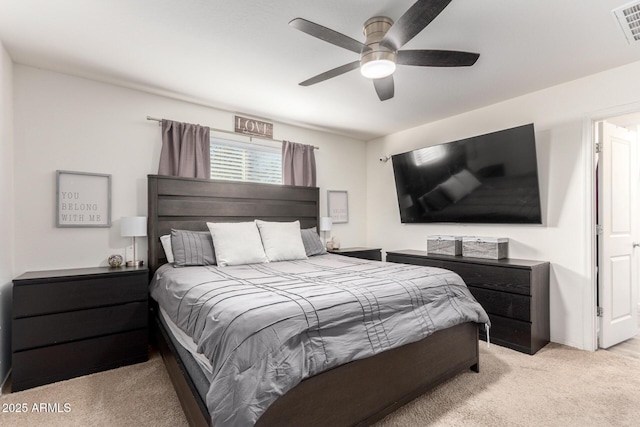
pixel 374 254
pixel 188 204
pixel 357 393
pixel 514 292
pixel 68 323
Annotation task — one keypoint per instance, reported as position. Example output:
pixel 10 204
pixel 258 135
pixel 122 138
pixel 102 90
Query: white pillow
pixel 166 245
pixel 281 240
pixel 236 243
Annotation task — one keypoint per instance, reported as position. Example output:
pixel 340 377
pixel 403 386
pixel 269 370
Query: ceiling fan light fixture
pixel 378 63
pixel 378 68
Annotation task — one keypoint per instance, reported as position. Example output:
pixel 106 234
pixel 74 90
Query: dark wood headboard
pixel 189 203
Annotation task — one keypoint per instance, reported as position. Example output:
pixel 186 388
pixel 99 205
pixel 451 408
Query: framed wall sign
pixel 254 127
pixel 83 199
pixel 338 205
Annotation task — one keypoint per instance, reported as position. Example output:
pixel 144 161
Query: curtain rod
pixel 155 119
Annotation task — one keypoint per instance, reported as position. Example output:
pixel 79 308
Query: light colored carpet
pixel 135 395
pixel 559 386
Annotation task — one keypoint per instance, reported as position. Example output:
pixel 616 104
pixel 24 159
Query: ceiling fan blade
pixel 412 22
pixel 331 73
pixel 436 58
pixel 328 35
pixel 384 87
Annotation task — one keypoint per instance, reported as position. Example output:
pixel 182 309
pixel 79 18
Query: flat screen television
pixel 487 179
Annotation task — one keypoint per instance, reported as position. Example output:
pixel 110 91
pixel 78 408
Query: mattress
pixel 196 372
pixel 186 342
pixel 266 327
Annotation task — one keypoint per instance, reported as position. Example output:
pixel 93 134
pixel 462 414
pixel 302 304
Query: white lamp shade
pixel 132 226
pixel 325 223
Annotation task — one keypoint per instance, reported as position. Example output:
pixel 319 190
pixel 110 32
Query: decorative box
pixel 485 247
pixel 444 245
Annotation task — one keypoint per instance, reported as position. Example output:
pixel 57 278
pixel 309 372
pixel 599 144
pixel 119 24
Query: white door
pixel 617 214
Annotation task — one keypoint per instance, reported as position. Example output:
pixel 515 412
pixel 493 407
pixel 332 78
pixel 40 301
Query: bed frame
pixel 357 393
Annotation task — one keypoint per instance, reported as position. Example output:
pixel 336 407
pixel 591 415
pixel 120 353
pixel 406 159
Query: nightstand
pixel 68 323
pixel 374 254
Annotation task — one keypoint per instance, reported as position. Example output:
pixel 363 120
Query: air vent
pixel 629 20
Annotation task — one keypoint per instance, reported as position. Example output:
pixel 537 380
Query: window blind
pixel 242 161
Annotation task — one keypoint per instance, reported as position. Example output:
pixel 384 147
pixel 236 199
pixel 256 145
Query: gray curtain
pixel 298 164
pixel 185 150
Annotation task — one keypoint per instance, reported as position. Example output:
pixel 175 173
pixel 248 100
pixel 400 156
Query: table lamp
pixel 325 225
pixel 134 226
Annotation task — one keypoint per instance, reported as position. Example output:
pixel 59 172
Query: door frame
pixel 589 295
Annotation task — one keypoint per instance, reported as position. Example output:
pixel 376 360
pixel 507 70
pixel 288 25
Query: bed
pixel 355 393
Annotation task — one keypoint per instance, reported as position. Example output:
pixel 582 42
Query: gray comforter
pixel 266 327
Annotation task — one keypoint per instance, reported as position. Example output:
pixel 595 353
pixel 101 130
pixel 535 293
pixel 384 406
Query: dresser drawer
pixel 513 292
pixel 78 293
pixel 59 362
pixel 374 254
pixel 404 259
pixel 503 304
pixel 502 279
pixel 482 275
pixel 509 333
pixel 38 331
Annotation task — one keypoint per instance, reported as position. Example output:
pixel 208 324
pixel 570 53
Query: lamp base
pixel 135 263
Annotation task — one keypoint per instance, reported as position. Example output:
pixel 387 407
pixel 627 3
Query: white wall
pixel 559 115
pixel 68 123
pixel 6 210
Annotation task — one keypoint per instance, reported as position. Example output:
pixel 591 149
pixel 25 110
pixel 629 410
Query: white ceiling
pixel 242 55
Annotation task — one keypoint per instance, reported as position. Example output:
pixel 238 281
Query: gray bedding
pixel 266 327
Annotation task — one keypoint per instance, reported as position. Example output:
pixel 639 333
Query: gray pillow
pixel 312 243
pixel 192 248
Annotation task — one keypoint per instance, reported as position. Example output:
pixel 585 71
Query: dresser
pixel 374 254
pixel 513 292
pixel 68 323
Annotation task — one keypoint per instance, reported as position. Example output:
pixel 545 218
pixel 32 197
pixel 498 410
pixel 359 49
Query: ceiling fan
pixel 380 53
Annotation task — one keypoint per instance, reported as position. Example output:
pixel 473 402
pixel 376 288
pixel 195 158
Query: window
pixel 241 161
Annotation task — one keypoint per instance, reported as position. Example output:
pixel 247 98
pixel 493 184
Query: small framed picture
pixel 83 199
pixel 338 205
